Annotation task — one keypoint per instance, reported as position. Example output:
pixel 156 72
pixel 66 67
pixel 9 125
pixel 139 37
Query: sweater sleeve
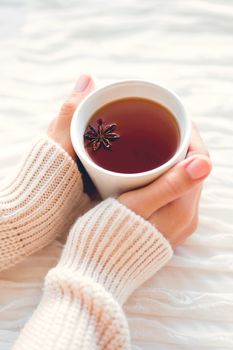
pixel 109 253
pixel 39 203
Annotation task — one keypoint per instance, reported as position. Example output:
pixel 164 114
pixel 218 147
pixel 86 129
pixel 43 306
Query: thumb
pixel 179 180
pixel 59 129
pixel 84 85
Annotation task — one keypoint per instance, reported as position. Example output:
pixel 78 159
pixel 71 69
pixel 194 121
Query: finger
pixel 186 205
pixel 172 185
pixel 178 219
pixel 83 87
pixel 191 215
pixel 197 145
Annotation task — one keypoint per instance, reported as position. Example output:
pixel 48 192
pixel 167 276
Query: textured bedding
pixel 184 45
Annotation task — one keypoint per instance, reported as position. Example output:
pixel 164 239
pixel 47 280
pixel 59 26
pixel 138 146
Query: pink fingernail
pixel 198 168
pixel 82 83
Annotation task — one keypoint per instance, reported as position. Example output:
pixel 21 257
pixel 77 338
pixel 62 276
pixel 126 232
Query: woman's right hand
pixel 171 202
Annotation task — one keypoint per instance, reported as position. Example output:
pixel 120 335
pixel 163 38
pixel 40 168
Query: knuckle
pixel 195 223
pixel 67 108
pixel 184 216
pixel 187 214
pixel 192 227
pixel 171 185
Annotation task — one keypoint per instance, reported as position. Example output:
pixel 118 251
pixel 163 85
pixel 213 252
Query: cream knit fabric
pixel 110 251
pixel 39 203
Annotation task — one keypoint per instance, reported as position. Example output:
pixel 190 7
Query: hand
pixel 171 201
pixel 59 129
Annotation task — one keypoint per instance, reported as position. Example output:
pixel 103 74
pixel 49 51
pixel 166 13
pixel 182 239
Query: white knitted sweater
pixel 109 252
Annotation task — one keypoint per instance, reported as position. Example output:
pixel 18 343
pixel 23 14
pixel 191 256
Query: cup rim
pixel 82 154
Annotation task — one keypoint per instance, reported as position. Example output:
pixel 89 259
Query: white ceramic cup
pixel 110 183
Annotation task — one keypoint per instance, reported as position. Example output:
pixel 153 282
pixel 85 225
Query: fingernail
pixel 198 168
pixel 82 83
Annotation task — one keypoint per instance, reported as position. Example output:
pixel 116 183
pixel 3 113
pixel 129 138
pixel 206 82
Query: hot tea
pixel 131 135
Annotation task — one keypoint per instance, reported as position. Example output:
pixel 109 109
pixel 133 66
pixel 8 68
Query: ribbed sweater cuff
pixel 115 248
pixel 75 313
pixel 39 203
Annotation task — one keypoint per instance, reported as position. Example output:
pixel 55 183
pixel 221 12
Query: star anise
pixel 101 136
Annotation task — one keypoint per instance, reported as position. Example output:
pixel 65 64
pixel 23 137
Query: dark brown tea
pixel 132 135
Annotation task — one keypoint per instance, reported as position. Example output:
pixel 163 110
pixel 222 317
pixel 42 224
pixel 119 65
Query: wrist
pixel 116 248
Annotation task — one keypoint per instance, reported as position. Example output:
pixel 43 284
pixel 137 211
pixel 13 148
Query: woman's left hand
pixel 59 129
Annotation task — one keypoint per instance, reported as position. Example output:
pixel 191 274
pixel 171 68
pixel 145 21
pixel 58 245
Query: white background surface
pixel 184 45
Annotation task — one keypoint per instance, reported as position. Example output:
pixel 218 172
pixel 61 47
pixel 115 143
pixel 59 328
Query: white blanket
pixel 184 45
